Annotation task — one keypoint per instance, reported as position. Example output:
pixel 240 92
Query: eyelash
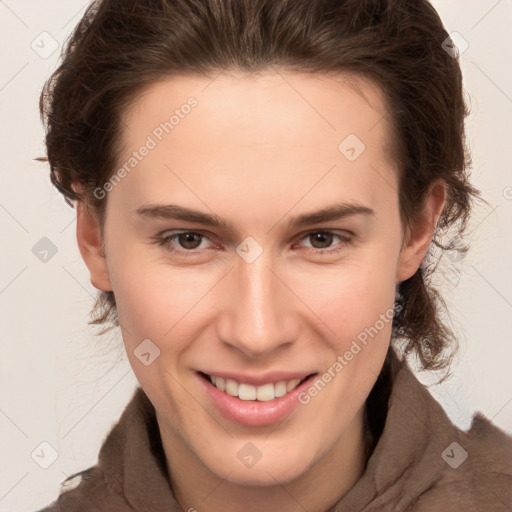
pixel 165 241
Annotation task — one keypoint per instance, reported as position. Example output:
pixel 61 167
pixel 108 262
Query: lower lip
pixel 254 413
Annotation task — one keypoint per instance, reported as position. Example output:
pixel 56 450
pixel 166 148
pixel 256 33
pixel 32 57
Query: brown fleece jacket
pixel 421 462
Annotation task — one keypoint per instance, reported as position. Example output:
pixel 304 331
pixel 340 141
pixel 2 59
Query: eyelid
pixel 337 232
pixel 165 237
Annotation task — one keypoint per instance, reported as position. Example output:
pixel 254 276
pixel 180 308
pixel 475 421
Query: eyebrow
pixel 176 212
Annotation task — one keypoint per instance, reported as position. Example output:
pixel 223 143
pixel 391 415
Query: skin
pixel 256 151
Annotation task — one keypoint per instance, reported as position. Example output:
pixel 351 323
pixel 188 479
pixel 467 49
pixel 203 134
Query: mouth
pixel 248 392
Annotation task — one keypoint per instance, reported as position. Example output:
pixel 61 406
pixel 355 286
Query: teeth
pixel 264 393
pixel 231 387
pixel 220 383
pixel 248 392
pixel 292 384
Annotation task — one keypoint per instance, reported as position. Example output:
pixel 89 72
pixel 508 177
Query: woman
pixel 260 185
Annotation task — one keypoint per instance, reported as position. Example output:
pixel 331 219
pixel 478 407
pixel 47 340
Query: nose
pixel 257 316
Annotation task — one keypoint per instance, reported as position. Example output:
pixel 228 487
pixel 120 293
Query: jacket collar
pixel 133 460
pixel 407 457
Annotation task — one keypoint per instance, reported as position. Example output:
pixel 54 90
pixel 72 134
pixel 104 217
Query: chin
pixel 263 473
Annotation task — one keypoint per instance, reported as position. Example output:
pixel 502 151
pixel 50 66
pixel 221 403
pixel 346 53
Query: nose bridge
pixel 257 312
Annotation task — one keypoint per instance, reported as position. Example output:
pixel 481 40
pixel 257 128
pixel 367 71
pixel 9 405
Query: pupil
pixel 317 237
pixel 188 238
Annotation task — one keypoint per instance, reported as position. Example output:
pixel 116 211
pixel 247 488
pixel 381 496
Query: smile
pixel 269 399
pixel 263 393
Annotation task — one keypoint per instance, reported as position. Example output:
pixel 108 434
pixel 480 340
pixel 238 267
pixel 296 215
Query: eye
pixel 188 241
pixel 322 241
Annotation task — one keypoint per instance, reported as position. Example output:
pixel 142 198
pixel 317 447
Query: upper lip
pixel 259 379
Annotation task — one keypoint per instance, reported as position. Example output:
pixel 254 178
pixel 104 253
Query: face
pixel 218 263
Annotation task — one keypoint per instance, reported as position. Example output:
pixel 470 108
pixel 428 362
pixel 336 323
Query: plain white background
pixel 63 386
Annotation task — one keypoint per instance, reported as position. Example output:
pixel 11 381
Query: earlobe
pixel 90 243
pixel 420 236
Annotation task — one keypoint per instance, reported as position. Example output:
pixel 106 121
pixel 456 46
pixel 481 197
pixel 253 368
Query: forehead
pixel 280 132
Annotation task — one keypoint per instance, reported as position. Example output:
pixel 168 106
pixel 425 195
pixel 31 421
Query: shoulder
pixel 440 466
pixel 88 491
pixel 477 474
pixel 489 445
pixel 111 485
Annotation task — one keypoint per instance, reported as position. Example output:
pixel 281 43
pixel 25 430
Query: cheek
pixel 353 295
pixel 152 296
pixel 155 302
pixel 358 309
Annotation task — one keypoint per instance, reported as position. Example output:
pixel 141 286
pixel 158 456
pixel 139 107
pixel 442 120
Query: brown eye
pixel 189 240
pixel 322 242
pixel 183 243
pixel 321 238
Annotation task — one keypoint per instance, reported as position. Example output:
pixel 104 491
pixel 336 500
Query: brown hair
pixel 121 46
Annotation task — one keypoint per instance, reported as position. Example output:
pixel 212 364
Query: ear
pixel 418 239
pixel 90 243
